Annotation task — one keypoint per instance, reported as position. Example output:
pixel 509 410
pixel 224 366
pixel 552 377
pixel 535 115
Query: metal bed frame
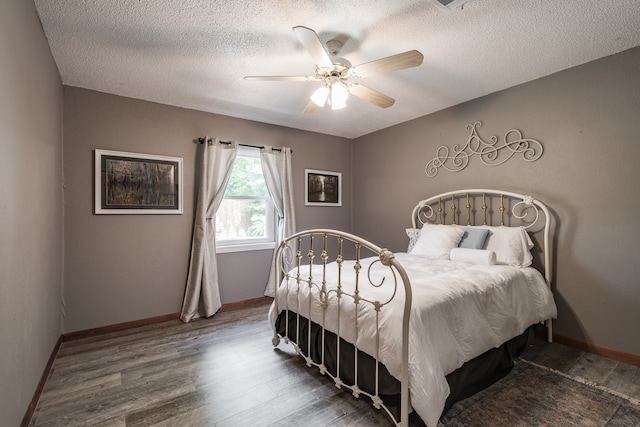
pixel 481 206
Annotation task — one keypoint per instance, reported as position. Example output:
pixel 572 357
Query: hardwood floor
pixel 224 372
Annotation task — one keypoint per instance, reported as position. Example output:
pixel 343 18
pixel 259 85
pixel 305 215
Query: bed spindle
pixel 311 256
pixel 298 280
pixel 454 209
pixel 355 390
pixel 324 257
pixel 440 210
pixel 324 299
pixel 357 267
pixel 377 402
pixel 339 261
pixel 502 209
pixel 299 261
pixel 484 208
pixel 468 210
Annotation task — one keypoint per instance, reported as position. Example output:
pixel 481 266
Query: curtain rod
pixel 261 147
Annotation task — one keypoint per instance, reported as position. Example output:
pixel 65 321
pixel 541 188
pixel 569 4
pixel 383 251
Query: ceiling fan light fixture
pixel 339 95
pixel 320 96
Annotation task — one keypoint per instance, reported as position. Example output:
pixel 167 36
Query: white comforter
pixel 459 311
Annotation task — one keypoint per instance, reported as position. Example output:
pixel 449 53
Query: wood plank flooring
pixel 224 372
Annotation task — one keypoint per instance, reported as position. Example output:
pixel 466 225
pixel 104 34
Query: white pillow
pixel 412 234
pixel 512 245
pixel 473 256
pixel 436 241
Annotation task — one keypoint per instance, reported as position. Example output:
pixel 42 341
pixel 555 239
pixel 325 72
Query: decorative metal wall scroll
pixel 490 153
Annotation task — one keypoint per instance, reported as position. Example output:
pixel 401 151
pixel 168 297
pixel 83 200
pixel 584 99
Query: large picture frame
pixel 133 183
pixel 322 188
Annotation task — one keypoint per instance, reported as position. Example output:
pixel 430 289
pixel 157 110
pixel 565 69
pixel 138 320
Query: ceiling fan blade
pixel 283 78
pixel 313 45
pixel 408 59
pixel 311 107
pixel 373 96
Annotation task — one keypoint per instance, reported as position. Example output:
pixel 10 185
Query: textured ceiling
pixel 195 53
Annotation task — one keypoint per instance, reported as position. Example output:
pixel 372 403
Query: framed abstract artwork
pixel 322 188
pixel 132 183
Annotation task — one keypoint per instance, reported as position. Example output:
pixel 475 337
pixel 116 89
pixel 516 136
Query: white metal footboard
pixel 330 294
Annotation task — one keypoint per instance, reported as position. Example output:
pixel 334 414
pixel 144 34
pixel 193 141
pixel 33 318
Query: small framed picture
pixel 132 183
pixel 323 188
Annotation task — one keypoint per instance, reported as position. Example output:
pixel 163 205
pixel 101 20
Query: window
pixel 245 219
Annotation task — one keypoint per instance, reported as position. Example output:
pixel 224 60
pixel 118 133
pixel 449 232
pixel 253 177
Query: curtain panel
pixel 277 171
pixel 213 169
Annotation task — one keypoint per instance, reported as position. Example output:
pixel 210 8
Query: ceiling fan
pixel 339 77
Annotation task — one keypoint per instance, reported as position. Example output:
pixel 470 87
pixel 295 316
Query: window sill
pixel 245 248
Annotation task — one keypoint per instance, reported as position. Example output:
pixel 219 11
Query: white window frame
pixel 252 244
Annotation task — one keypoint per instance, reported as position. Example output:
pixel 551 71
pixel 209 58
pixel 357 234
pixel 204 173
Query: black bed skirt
pixel 472 377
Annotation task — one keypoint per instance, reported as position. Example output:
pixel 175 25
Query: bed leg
pixel 549 331
pixel 275 340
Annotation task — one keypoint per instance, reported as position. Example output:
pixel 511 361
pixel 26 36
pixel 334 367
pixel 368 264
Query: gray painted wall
pixel 120 268
pixel 587 118
pixel 30 207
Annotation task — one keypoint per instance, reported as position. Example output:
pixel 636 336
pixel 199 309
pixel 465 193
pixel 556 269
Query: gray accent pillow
pixel 474 238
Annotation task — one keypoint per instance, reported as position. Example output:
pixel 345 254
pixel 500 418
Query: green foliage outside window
pixel 246 178
pixel 242 213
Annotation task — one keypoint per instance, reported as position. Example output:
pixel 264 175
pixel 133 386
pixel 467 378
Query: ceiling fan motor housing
pixel 334 46
pixel 341 69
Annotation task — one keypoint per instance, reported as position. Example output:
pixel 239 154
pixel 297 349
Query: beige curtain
pixel 202 294
pixel 276 168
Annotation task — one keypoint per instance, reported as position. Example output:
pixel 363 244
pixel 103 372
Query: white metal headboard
pixel 488 207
